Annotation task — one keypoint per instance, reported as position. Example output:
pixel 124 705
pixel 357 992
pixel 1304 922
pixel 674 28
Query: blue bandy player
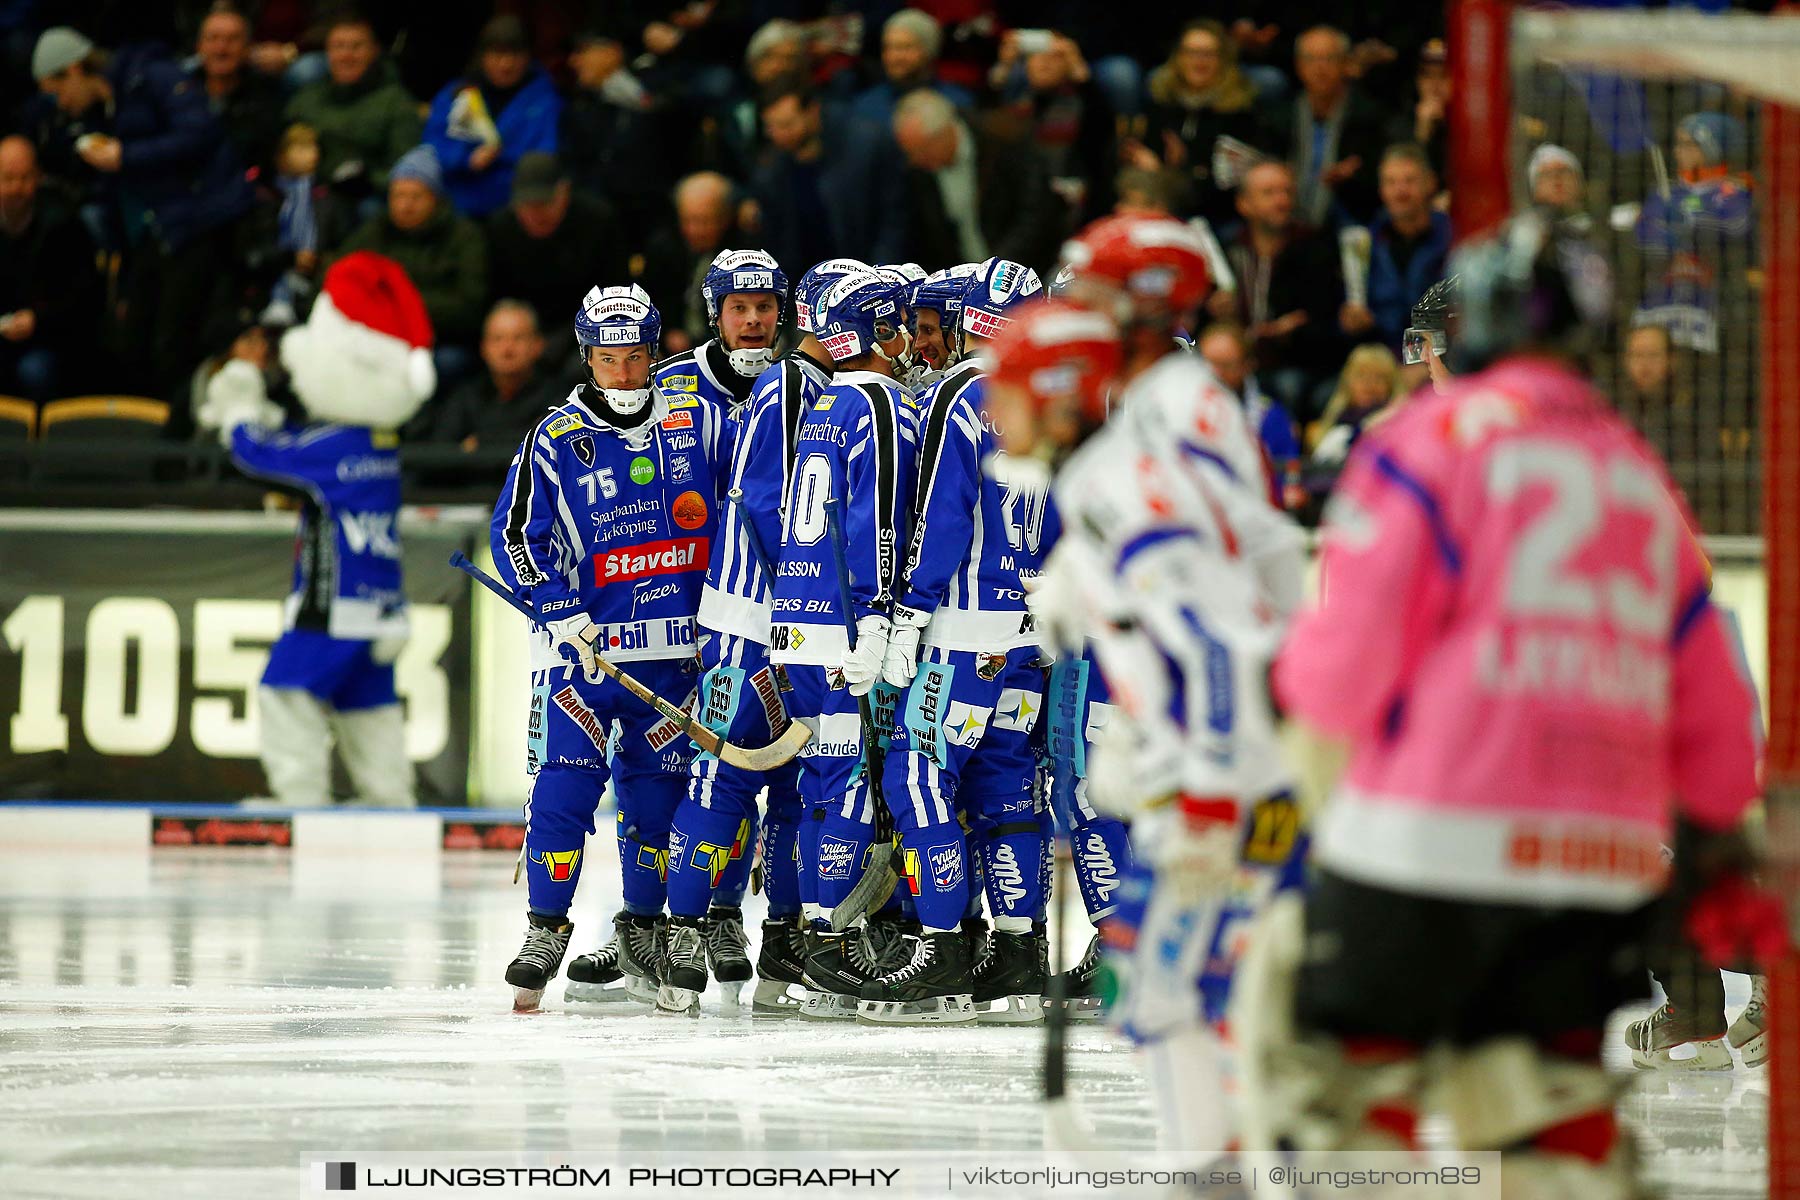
pixel 742 695
pixel 745 293
pixel 963 647
pixel 606 524
pixel 712 843
pixel 855 448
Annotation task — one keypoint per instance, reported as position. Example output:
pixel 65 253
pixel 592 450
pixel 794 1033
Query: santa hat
pixel 364 355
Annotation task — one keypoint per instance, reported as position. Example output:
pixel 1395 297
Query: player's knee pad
pixel 1101 853
pixel 1012 859
pixel 1311 1092
pixel 564 799
pixel 935 864
pixel 841 856
pixel 1508 1093
pixel 704 845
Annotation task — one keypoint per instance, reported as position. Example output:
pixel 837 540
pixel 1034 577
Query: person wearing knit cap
pixel 361 367
pixel 145 131
pixel 1556 179
pixel 442 251
pixel 1694 233
pixel 482 123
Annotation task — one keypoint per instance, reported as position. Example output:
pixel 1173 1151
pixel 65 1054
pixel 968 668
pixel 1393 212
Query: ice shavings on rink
pixel 202 1030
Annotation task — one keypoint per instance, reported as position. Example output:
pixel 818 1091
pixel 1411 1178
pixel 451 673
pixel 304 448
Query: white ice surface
pixel 201 1025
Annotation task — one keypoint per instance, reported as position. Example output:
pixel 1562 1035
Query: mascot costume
pixel 359 367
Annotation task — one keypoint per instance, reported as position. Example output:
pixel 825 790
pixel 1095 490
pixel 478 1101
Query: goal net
pixel 1670 139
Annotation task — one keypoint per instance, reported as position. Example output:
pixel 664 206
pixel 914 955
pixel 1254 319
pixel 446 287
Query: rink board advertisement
pixel 131 645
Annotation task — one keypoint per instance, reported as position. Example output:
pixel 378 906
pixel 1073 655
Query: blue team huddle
pixel 829 536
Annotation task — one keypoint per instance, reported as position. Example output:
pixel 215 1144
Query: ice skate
pixel 935 988
pixel 890 941
pixel 546 941
pixel 1081 986
pixel 1749 1034
pixel 728 952
pixel 1655 1039
pixel 976 929
pixel 630 955
pixel 684 971
pixel 838 965
pixel 1009 982
pixel 780 968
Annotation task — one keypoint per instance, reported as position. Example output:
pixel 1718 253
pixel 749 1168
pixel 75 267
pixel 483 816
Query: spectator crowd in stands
pixel 173 183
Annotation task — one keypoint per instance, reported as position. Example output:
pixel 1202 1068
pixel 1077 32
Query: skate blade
pixel 1082 1008
pixel 628 991
pixel 1027 1009
pixel 641 988
pixel 1710 1054
pixel 677 1002
pixel 772 998
pixel 939 1010
pixel 1755 1052
pixel 828 1006
pixel 731 994
pixel 525 1000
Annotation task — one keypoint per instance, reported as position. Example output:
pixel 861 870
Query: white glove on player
pixel 1058 607
pixel 861 666
pixel 902 660
pixel 580 634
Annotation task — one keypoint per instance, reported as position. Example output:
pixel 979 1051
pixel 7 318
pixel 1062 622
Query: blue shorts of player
pixel 962 740
pixel 837 820
pixel 1100 846
pixel 339 672
pixel 713 839
pixel 581 735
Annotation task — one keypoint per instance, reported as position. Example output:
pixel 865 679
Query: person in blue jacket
pixel 360 366
pixel 482 124
pixel 134 116
pixel 605 524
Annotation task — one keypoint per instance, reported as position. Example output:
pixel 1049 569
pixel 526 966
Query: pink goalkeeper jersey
pixel 1514 633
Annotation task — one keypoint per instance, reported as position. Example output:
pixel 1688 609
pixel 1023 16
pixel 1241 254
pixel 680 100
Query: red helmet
pixel 1157 263
pixel 1055 351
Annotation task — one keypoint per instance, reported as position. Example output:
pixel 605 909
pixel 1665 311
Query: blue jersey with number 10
pixel 979 528
pixel 856 444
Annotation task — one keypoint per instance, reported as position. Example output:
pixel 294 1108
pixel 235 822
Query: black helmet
pixel 1527 285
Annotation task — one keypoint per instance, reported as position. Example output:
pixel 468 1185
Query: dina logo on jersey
pixel 642 471
pixel 583 447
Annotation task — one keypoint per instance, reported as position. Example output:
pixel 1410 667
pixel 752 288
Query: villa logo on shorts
pixel 946 865
pixel 836 857
pixel 559 865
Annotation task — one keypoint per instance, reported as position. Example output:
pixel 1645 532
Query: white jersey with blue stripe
pixel 762 433
pixel 856 446
pixel 979 524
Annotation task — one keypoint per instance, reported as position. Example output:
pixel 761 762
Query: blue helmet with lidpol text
pixel 735 271
pixel 620 318
pixel 857 313
pixel 815 281
pixel 617 316
pixel 999 287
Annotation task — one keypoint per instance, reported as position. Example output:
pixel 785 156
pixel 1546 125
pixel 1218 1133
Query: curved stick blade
pixel 777 753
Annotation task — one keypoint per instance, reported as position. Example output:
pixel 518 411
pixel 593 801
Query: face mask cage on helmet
pixel 617 318
pixel 857 313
